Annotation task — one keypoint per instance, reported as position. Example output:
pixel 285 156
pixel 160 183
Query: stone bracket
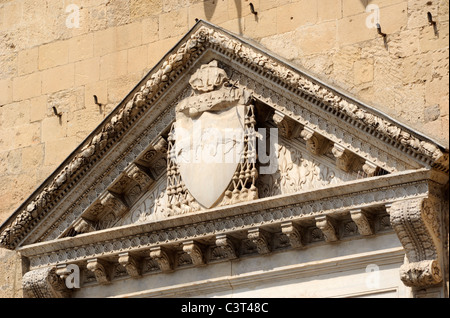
pixel 101 270
pixel 112 202
pixel 362 221
pixel 261 239
pixel 344 158
pixel 325 224
pixel 293 233
pixel 227 246
pixel 287 126
pixel 140 175
pixel 195 252
pixel 44 283
pixel 130 263
pixel 163 257
pixel 315 143
pixel 417 225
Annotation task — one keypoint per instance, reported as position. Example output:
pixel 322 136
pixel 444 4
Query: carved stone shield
pixel 209 149
pixel 209 134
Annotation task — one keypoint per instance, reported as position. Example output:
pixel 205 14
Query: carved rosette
pixel 44 283
pixel 417 225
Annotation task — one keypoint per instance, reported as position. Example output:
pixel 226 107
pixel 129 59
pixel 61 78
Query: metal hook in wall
pixel 379 31
pixel 432 23
pixel 252 9
pixel 55 111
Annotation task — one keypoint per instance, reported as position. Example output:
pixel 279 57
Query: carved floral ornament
pixel 214 92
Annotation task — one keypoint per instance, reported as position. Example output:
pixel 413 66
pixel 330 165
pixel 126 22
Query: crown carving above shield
pixel 208 77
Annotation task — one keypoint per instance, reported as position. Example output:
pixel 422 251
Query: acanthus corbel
pixel 130 263
pixel 293 233
pixel 227 246
pixel 286 125
pixel 315 143
pixel 112 202
pixel 362 221
pixel 195 252
pixel 370 169
pixel 101 270
pixel 139 174
pixel 325 224
pixel 417 225
pixel 162 257
pixel 261 239
pixel 344 158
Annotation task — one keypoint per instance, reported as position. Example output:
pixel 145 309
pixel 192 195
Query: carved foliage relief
pixel 298 171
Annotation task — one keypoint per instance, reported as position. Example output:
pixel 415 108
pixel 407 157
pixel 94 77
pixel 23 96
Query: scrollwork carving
pixel 417 225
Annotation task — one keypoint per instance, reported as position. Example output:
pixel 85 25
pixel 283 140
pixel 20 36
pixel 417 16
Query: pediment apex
pixel 205 37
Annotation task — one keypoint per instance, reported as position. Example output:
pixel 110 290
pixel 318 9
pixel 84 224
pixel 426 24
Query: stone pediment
pixel 126 180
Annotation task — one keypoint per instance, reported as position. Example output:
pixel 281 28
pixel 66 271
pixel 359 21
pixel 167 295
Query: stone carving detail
pixel 195 252
pixel 101 270
pixel 344 159
pixel 151 207
pixel 296 172
pixel 363 221
pixel 226 246
pixel 325 224
pixel 370 169
pixel 130 263
pixel 315 143
pixel 162 257
pixel 261 239
pixel 169 69
pixel 417 225
pixel 228 174
pixel 140 175
pixel 44 283
pixel 288 127
pixel 114 204
pixel 293 233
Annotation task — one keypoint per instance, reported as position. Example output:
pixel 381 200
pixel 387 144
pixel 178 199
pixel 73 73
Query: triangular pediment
pixel 122 174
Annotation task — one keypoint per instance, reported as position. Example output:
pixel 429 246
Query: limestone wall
pixel 50 58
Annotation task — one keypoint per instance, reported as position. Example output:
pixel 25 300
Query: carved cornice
pixel 201 37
